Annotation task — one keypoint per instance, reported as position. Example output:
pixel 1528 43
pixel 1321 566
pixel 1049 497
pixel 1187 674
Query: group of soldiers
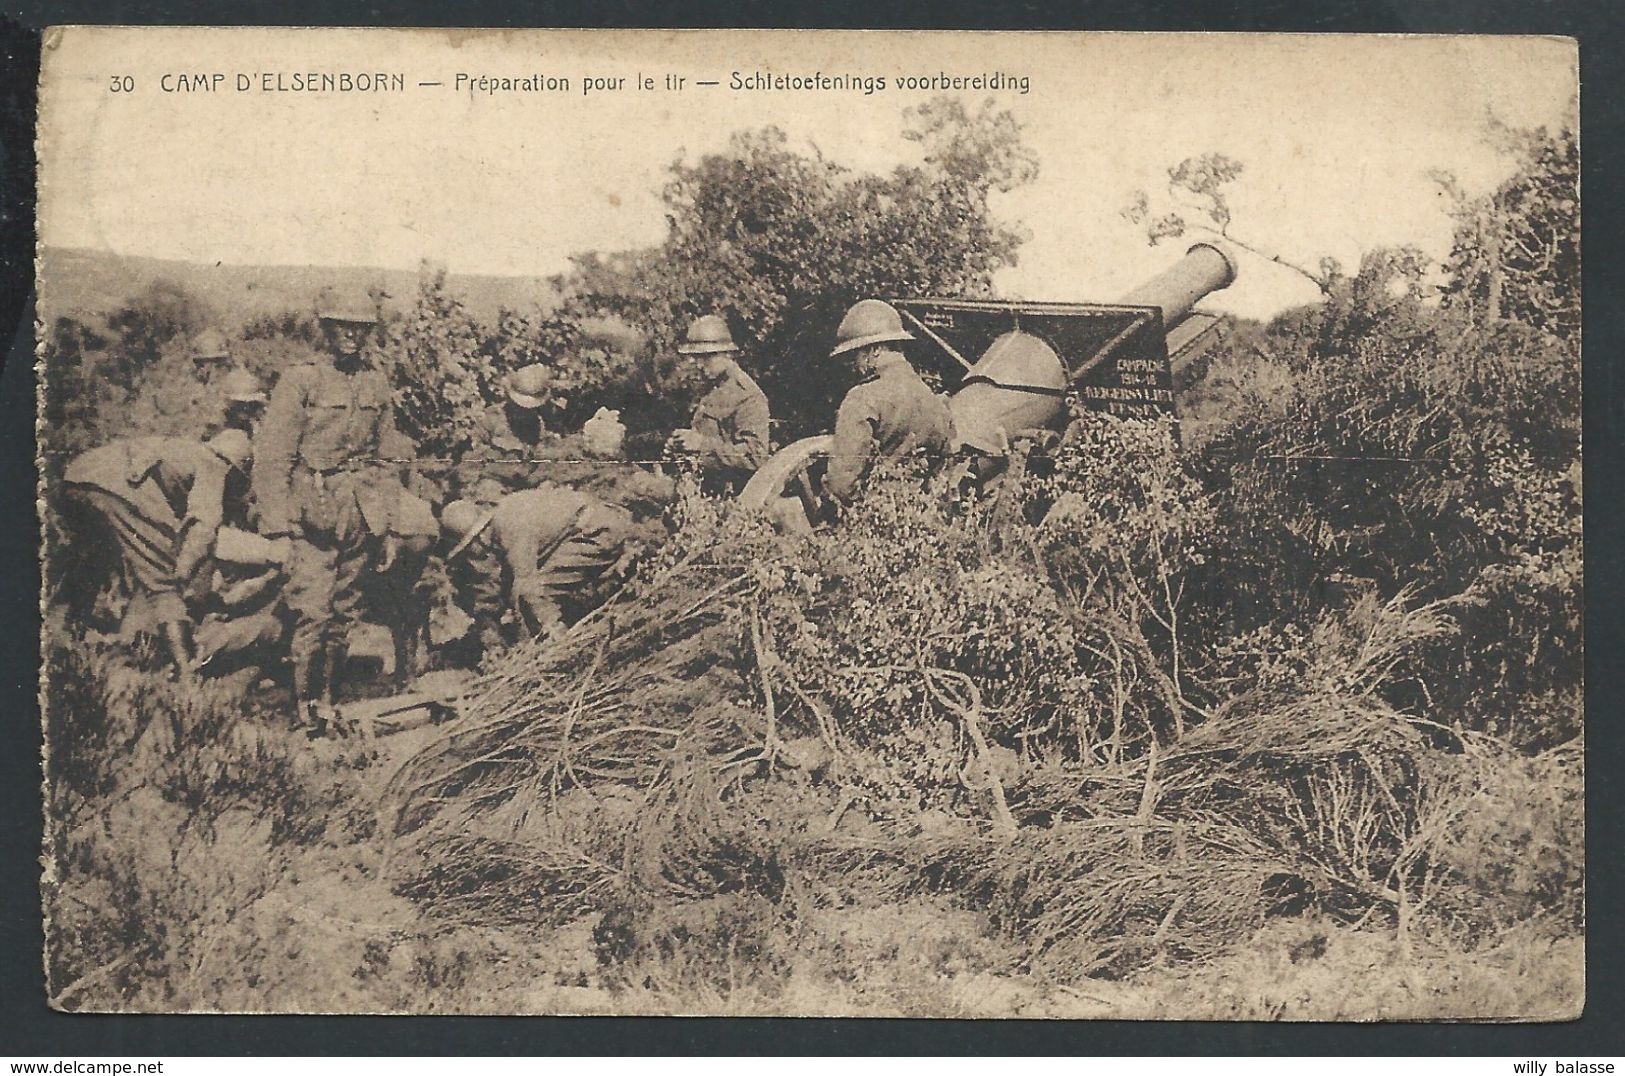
pixel 300 509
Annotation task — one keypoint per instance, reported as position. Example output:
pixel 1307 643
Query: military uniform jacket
pixel 527 526
pixel 500 461
pixel 175 489
pixel 890 415
pixel 321 445
pixel 733 419
pixel 169 480
pixel 526 529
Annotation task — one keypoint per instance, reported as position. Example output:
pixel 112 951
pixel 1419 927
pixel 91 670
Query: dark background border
pixel 28 1027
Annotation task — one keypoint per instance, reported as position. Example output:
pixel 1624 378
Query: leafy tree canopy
pixel 1516 253
pixel 780 241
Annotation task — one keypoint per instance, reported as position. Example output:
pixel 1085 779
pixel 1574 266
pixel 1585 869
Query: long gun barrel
pixel 1176 290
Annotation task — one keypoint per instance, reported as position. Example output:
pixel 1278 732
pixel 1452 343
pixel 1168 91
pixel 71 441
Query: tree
pixel 437 362
pixel 1516 251
pixel 163 315
pixel 1419 439
pixel 71 392
pixel 1198 200
pixel 781 241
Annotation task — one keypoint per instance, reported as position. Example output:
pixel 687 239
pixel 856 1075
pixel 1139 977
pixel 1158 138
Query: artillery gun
pixel 1031 360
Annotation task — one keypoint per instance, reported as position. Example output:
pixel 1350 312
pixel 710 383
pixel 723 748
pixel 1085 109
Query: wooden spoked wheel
pixel 789 486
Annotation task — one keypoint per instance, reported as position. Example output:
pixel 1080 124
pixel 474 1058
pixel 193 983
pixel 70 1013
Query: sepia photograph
pixel 811 523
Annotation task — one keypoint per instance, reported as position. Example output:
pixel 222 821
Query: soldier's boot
pixel 337 655
pixel 178 637
pixel 308 719
pixel 406 642
pixel 308 687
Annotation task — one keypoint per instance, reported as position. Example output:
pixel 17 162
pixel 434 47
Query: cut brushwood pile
pixel 735 722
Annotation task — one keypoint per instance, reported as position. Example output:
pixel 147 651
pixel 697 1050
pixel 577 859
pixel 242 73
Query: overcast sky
pixel 1338 136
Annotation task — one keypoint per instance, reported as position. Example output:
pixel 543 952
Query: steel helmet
pixel 243 387
pixel 707 336
pixel 210 344
pixel 233 446
pixel 868 322
pixel 463 520
pixel 351 310
pixel 527 386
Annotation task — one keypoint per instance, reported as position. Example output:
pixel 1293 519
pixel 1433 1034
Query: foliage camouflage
pixel 1310 670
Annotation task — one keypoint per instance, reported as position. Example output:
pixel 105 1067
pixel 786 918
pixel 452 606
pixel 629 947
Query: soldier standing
pixel 161 501
pixel 326 486
pixel 509 439
pixel 728 435
pixel 399 595
pixel 890 412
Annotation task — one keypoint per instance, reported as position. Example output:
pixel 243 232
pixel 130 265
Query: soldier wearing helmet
pixel 890 412
pixel 196 404
pixel 156 504
pixel 245 400
pixel 728 435
pixel 209 350
pixel 510 440
pixel 398 595
pixel 324 484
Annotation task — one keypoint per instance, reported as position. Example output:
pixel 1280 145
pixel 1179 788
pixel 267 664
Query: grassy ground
pixel 246 873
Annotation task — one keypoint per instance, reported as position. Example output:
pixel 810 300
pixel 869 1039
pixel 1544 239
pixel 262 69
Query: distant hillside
pixel 88 283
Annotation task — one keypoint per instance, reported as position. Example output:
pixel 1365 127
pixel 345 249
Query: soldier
pixel 198 403
pixel 245 400
pixel 539 554
pixel 162 500
pixel 728 435
pixel 509 440
pixel 325 483
pixel 399 595
pixel 209 354
pixel 890 412
pixel 244 617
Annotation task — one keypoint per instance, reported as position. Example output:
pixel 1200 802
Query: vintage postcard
pixel 811 523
